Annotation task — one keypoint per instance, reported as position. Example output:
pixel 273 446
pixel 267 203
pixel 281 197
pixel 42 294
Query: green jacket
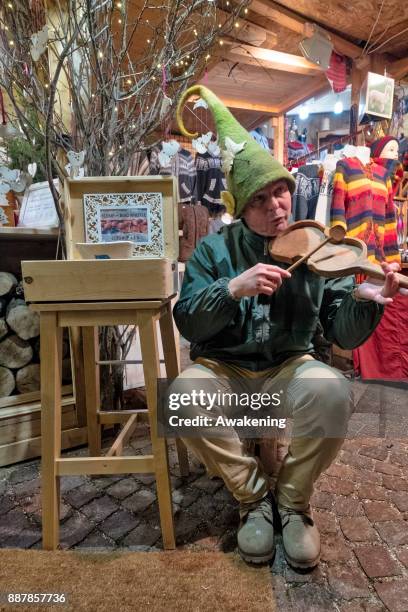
pixel 261 332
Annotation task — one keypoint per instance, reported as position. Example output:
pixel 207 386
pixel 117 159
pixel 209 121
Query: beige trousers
pixel 316 405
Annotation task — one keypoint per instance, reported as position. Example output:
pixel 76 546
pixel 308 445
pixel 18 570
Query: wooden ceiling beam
pixel 291 21
pixel 317 86
pixel 399 68
pixel 271 59
pixel 252 106
pixel 250 33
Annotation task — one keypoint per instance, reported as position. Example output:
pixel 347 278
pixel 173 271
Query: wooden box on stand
pixel 106 211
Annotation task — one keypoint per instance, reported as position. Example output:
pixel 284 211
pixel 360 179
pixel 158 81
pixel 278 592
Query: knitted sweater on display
pixel 181 166
pixel 210 181
pixel 306 194
pixel 363 204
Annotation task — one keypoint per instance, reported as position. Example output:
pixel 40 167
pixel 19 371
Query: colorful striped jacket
pixel 363 204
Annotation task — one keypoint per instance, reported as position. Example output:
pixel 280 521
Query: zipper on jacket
pixel 265 247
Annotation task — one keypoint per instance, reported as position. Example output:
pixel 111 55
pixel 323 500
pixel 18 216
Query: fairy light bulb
pixel 129 81
pixel 100 54
pixel 11 43
pixel 236 24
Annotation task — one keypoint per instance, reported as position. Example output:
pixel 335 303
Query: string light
pixel 221 42
pixel 207 56
pixel 119 5
pixel 100 54
pixel 129 81
pixel 11 43
pixel 159 65
pixel 119 21
pixel 148 40
pixel 93 95
pixel 116 109
pixel 246 11
pixel 46 86
pixel 236 24
pixel 10 5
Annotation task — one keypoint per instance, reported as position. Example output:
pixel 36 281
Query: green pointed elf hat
pixel 248 167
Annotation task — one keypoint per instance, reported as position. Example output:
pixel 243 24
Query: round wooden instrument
pixel 333 259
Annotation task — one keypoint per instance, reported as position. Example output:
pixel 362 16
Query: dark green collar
pixel 258 243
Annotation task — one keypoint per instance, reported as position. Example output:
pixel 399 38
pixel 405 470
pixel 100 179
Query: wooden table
pixel 88 315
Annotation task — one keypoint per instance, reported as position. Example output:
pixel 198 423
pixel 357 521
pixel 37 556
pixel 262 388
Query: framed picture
pixel 137 217
pixel 38 208
pixel 137 209
pixel 376 98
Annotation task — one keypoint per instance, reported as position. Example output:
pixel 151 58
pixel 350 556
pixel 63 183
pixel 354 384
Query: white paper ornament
pixel 214 149
pixel 200 103
pixel 39 42
pixel 201 143
pixel 32 169
pixel 76 159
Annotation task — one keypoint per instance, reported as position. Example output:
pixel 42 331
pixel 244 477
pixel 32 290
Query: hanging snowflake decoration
pixel 169 150
pixel 200 103
pixel 201 143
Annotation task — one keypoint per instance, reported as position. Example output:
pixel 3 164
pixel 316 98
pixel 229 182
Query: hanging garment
pixel 210 181
pixel 322 213
pixel 181 166
pixel 337 72
pixel 306 194
pixel 363 200
pixel 363 204
pixel 395 171
pixel 193 220
pixel 384 356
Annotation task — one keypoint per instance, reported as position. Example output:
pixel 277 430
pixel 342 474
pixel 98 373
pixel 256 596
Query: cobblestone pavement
pixel 360 506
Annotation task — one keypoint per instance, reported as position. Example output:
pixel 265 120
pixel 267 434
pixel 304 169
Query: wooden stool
pixel 88 315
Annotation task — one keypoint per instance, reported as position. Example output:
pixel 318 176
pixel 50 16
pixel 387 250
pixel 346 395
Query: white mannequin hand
pixel 381 292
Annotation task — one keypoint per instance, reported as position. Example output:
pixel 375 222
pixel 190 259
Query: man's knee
pixel 323 405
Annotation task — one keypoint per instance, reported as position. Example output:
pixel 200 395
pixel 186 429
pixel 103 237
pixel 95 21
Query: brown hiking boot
pixel 255 535
pixel 301 539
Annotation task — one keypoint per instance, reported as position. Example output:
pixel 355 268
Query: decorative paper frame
pixel 131 208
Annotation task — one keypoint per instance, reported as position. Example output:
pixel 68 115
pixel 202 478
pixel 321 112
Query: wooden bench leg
pixel 151 369
pixel 51 364
pixel 92 388
pixel 172 371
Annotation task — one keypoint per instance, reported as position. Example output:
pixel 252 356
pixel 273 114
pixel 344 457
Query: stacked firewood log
pixel 20 341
